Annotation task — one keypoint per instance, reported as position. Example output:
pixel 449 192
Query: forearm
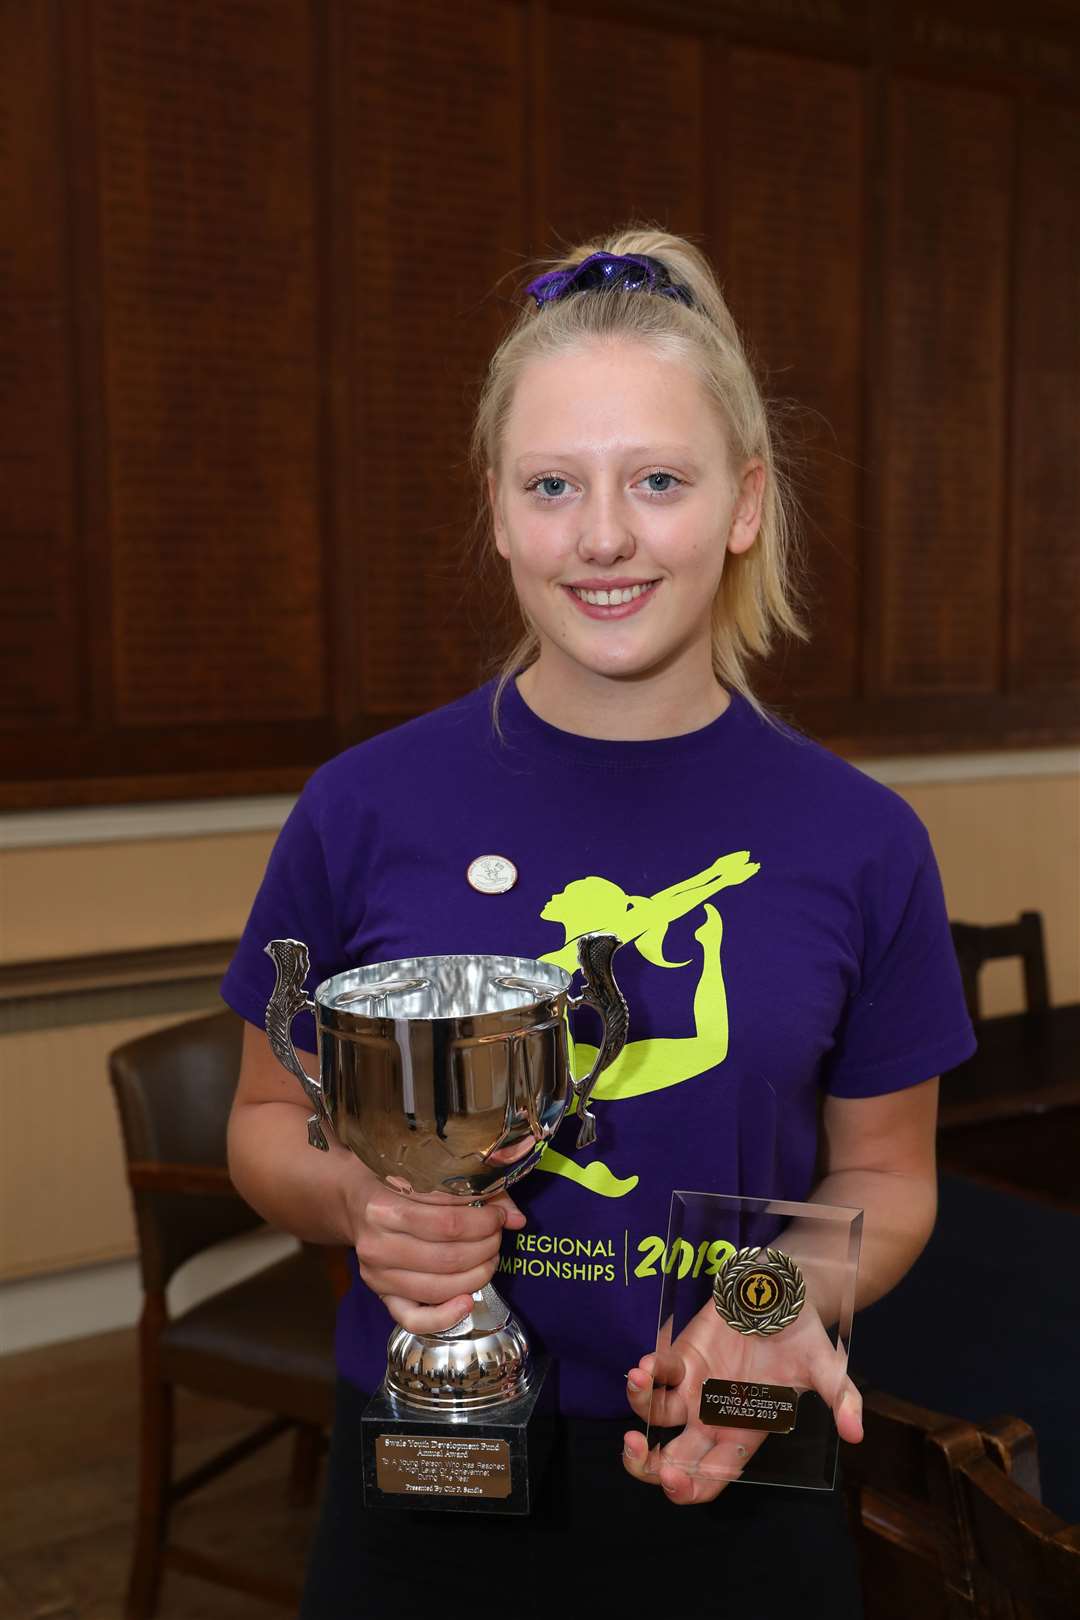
pixel 291 1184
pixel 877 1156
pixel 898 1216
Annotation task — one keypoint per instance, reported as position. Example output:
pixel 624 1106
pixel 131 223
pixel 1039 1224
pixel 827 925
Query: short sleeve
pixel 907 1020
pixel 294 901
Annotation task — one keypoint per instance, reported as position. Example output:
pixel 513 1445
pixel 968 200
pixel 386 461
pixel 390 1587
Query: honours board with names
pixel 259 255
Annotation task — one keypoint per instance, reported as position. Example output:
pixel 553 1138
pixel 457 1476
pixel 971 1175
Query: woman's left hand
pixel 697 1464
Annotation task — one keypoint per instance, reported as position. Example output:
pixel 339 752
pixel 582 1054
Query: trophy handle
pixel 292 964
pixel 595 952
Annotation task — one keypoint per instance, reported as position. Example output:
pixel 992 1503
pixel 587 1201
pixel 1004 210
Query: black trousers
pixel 598 1544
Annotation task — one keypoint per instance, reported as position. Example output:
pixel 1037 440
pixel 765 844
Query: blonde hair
pixel 757 596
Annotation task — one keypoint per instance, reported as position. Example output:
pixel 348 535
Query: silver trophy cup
pixel 449 1074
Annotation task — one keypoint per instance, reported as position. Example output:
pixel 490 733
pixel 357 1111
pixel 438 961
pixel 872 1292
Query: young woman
pixel 786 959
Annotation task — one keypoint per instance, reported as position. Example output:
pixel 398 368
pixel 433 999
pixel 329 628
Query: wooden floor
pixel 68 1447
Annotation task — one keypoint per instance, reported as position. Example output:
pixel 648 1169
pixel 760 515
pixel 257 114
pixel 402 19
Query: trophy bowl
pixel 448 1075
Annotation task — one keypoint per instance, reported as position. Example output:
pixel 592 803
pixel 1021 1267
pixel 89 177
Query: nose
pixel 606 536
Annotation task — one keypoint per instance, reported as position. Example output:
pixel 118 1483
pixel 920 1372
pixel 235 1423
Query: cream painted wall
pixel 64 1199
pixel 84 899
pixel 1008 846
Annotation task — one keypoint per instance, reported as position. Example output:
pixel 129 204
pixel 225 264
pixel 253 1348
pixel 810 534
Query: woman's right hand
pixel 425 1256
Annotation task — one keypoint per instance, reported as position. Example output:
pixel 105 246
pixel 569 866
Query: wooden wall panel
pixel 39 622
pixel 258 253
pixel 1044 592
pixel 793 267
pixel 621 142
pixel 943 399
pixel 208 248
pixel 434 152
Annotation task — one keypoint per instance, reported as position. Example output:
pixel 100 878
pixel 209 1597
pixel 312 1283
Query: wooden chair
pixel 265 1342
pixel 1025 1562
pixel 1025 1137
pixel 976 945
pixel 948 1521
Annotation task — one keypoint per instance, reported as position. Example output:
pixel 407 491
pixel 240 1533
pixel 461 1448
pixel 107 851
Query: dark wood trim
pixel 203 1180
pixel 940 722
pixel 75 792
pixel 181 750
pixel 75 975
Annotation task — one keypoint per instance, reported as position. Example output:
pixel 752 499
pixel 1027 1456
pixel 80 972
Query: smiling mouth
pixel 612 598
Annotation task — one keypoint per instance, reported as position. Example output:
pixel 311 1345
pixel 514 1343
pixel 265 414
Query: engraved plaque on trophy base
pixel 488 1464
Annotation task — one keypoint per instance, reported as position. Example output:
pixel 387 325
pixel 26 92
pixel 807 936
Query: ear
pixel 497 523
pixel 746 518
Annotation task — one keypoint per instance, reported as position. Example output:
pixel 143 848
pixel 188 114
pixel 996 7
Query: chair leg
pixel 304 1472
pixel 155 1475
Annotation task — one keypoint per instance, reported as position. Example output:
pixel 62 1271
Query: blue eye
pixel 665 491
pixel 547 494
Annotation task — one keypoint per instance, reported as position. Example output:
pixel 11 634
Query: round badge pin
pixel 492 874
pixel 759 1291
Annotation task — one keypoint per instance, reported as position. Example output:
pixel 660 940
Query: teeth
pixel 612 598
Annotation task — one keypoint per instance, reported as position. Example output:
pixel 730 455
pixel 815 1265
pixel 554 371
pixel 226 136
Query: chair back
pixel 911 1546
pixel 975 944
pixel 949 1522
pixel 1025 1561
pixel 174 1090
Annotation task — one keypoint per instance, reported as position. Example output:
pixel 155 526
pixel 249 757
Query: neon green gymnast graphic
pixel 596 905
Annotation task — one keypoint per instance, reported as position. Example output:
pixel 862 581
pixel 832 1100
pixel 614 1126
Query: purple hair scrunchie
pixel 623 272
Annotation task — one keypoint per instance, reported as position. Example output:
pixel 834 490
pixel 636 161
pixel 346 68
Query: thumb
pixel 849 1414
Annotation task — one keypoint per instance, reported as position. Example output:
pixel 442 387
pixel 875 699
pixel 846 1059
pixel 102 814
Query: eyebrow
pixel 662 452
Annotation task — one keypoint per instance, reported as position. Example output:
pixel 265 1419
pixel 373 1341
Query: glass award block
pixel 756 1304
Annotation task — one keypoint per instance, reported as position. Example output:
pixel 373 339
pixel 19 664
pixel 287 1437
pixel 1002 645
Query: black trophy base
pixel 490 1463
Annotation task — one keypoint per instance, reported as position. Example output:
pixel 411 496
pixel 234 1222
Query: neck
pixel 668 703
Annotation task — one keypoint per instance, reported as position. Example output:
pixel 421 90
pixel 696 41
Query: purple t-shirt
pixel 784 935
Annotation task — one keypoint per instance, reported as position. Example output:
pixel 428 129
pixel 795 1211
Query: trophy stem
pixel 482 1361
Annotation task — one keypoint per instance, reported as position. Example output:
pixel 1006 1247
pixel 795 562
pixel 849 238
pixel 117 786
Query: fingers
pixel 701 1461
pixel 437 1222
pixel 653 1401
pixel 639 1391
pixel 687 1490
pixel 425 1257
pixel 426 1318
pixel 637 1459
pixel 665 1365
pixel 426 1287
pixel 697 1463
pixel 427 1253
pixel 679 1485
pixel 395 1251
